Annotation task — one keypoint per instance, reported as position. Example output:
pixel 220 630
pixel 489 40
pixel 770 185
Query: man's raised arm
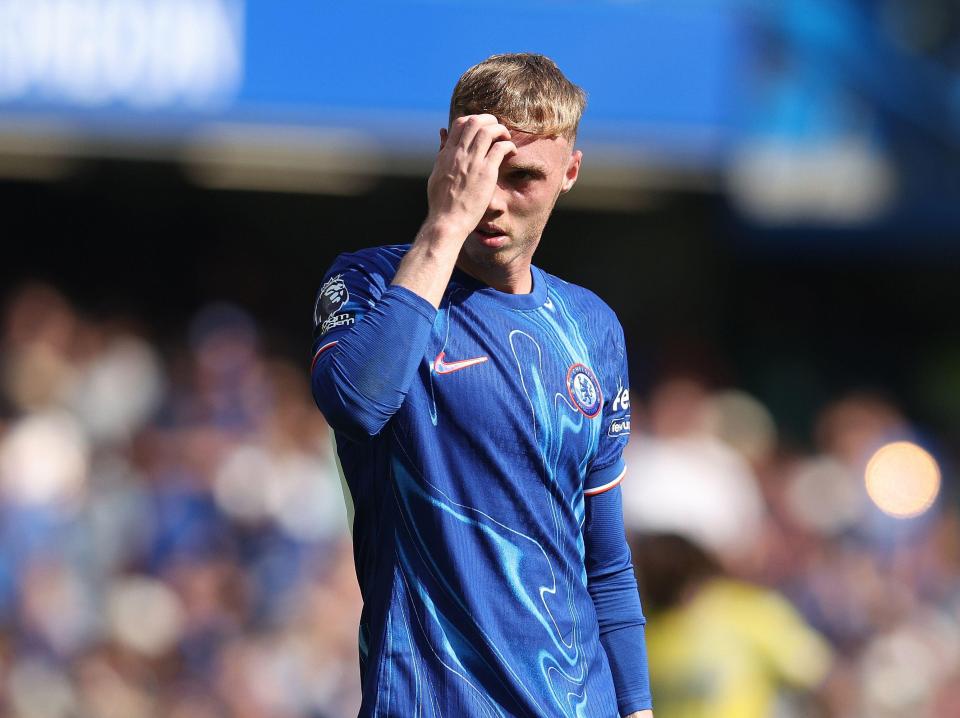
pixel 459 191
pixel 370 338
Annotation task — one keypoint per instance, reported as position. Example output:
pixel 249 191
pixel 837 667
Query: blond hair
pixel 525 91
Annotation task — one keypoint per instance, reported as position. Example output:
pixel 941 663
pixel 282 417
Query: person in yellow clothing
pixel 719 646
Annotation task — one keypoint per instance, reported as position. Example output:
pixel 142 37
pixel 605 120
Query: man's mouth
pixel 490 235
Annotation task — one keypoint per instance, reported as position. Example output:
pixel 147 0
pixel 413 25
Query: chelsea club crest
pixel 584 390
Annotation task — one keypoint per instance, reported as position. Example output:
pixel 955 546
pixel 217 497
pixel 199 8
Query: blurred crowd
pixel 173 537
pixel 173 540
pixel 773 582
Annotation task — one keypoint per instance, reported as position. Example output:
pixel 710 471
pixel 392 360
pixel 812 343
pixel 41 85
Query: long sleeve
pixel 613 588
pixel 369 339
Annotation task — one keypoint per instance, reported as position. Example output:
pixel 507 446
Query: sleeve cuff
pixel 412 300
pixel 605 478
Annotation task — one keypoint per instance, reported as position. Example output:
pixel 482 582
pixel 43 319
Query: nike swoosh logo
pixel 442 367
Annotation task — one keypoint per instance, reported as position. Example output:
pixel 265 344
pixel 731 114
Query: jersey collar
pixel 532 300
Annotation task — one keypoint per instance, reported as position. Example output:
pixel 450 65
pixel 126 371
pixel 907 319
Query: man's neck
pixel 514 278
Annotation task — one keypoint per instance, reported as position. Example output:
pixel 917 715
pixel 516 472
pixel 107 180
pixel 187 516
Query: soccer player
pixel 480 408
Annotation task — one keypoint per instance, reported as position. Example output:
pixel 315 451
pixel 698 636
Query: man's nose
pixel 498 202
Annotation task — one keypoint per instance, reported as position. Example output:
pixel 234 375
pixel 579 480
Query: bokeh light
pixel 902 479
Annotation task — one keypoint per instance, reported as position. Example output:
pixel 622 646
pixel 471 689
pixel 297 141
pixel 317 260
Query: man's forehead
pixel 538 150
pixel 525 139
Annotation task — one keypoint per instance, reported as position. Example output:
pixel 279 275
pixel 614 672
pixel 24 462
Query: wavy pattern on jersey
pixel 438 618
pixel 554 416
pixel 567 687
pixel 562 326
pixel 487 665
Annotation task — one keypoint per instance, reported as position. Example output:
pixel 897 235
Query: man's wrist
pixel 426 268
pixel 441 235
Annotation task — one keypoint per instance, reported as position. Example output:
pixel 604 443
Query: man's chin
pixel 482 249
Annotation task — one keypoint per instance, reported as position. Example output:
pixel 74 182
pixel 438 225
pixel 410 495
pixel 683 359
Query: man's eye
pixel 520 175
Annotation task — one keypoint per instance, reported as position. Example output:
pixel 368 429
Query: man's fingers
pixel 464 128
pixel 456 129
pixel 475 125
pixel 486 136
pixel 499 150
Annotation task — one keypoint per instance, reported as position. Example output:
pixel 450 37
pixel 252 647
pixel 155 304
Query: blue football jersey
pixel 467 509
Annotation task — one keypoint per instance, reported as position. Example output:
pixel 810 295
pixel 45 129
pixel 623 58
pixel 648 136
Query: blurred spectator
pixel 684 479
pixel 720 647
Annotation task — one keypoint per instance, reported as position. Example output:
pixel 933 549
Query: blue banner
pixel 659 73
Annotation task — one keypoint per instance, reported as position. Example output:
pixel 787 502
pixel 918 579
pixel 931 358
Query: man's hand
pixel 459 191
pixel 640 714
pixel 465 173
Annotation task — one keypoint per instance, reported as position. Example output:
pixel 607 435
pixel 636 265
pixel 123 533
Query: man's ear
pixel 572 171
pixel 443 137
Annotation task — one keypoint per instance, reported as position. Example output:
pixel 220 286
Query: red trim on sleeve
pixel 607 486
pixel 320 351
